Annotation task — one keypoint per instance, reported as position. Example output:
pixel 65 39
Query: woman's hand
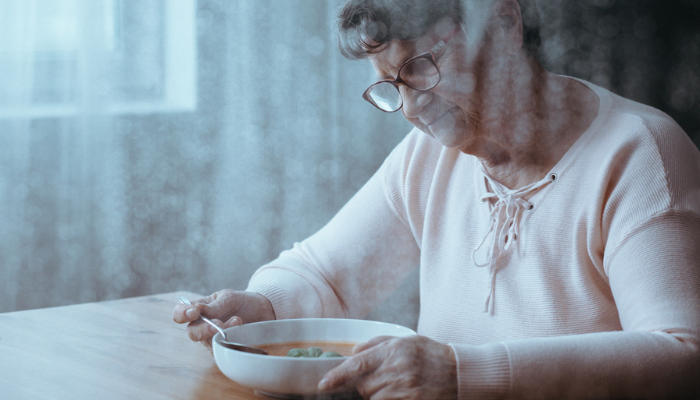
pixel 411 367
pixel 226 308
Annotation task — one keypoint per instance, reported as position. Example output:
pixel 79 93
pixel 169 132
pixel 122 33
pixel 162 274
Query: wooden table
pixel 121 349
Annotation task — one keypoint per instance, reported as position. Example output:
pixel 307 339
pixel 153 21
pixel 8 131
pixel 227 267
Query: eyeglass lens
pixel 419 74
pixel 386 96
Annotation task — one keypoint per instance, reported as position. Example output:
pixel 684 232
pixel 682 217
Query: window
pixel 63 57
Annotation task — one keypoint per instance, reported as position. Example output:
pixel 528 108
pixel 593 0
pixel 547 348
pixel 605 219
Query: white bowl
pixel 287 375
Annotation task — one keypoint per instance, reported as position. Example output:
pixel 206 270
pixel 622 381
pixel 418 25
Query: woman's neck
pixel 542 118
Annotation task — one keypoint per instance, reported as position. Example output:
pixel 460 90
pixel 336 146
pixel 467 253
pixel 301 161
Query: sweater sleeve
pixel 352 264
pixel 655 278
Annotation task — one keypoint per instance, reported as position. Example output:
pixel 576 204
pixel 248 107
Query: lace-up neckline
pixel 503 226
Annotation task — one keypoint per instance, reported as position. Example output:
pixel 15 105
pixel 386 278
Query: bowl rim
pixel 216 338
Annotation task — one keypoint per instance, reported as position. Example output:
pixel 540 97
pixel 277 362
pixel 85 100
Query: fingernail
pixel 191 312
pixel 322 385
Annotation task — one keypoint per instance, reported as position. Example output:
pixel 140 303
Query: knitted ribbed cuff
pixel 483 372
pixel 277 297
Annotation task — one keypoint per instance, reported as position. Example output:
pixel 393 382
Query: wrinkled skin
pixel 412 367
pixel 226 308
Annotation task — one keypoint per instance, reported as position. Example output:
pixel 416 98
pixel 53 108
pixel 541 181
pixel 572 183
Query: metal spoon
pixel 226 343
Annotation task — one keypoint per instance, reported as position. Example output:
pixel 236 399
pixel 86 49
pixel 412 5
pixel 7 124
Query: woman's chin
pixel 450 138
pixel 446 130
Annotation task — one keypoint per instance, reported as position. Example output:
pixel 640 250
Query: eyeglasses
pixel 419 73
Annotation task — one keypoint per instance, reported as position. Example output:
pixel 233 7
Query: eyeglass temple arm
pixel 443 42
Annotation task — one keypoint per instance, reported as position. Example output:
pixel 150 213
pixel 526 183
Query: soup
pixel 281 349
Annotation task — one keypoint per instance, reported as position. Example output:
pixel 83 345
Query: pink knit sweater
pixel 586 286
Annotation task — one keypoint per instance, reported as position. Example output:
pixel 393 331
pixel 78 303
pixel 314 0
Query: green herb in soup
pixel 312 352
pixel 298 353
pixel 308 348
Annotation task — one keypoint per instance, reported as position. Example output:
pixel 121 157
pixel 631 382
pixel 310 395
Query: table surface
pixel 120 349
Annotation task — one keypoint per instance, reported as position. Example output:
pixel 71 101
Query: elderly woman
pixel 556 225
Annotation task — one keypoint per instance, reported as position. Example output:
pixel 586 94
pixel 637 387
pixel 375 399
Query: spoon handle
pixel 184 300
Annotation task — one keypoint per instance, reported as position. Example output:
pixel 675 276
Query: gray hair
pixel 365 26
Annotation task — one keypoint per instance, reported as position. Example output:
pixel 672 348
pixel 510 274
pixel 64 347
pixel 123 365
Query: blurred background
pixel 149 146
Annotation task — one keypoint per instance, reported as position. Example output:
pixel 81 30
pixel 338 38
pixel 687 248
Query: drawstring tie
pixel 503 223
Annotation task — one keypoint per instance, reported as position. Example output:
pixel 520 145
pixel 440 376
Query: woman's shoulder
pixel 630 120
pixel 651 138
pixel 635 133
pixel 641 162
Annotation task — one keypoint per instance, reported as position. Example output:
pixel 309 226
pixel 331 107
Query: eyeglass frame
pixel 430 55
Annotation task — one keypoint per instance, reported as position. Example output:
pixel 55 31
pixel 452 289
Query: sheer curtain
pixel 61 195
pixel 114 184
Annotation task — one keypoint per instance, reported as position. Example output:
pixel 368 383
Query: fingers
pixel 249 307
pixel 356 366
pixel 201 335
pixel 183 313
pixel 370 343
pixel 200 331
pixel 381 386
pixel 216 305
pixel 388 392
pixel 351 369
pixel 233 321
pixel 221 304
pixel 207 299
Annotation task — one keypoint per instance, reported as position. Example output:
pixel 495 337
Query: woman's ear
pixel 511 24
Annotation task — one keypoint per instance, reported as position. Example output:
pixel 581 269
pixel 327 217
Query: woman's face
pixel 456 110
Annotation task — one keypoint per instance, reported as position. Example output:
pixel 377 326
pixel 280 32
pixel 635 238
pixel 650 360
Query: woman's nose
pixel 414 101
